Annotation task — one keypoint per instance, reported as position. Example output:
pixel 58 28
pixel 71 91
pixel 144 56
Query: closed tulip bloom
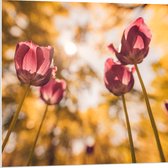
pixel 32 63
pixel 134 44
pixel 53 91
pixel 117 77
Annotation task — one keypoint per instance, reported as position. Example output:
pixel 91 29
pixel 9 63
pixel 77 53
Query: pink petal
pixel 139 43
pixel 46 90
pixel 108 64
pixel 44 55
pixel 144 29
pixel 40 80
pixel 112 70
pixel 139 22
pixel 40 57
pixel 130 84
pixel 112 48
pixel 126 77
pixel 133 69
pixel 30 60
pixel 23 76
pixel 63 83
pixel 56 97
pixel 116 78
pixel 131 38
pixel 21 50
pixel 58 91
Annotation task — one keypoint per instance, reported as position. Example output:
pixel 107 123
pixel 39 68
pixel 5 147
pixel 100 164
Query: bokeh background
pixel 88 127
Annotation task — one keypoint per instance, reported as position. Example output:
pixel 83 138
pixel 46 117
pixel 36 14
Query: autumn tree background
pixel 89 117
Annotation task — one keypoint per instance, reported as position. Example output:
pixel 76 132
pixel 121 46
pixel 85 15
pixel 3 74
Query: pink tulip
pixel 53 91
pixel 32 63
pixel 134 44
pixel 117 77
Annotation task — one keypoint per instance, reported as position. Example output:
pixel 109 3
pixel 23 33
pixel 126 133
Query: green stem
pixel 151 115
pixel 129 131
pixel 15 117
pixel 36 138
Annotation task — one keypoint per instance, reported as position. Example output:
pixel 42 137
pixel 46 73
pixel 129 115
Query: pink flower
pixel 117 77
pixel 32 63
pixel 53 91
pixel 134 44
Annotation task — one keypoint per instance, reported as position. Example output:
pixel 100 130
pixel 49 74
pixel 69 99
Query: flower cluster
pixel 134 48
pixel 118 78
pixel 33 67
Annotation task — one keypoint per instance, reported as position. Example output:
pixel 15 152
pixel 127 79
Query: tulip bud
pixel 117 77
pixel 53 91
pixel 32 63
pixel 134 44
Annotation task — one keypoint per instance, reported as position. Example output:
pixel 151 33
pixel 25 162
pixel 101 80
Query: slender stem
pixel 15 117
pixel 36 138
pixel 53 148
pixel 129 131
pixel 162 157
